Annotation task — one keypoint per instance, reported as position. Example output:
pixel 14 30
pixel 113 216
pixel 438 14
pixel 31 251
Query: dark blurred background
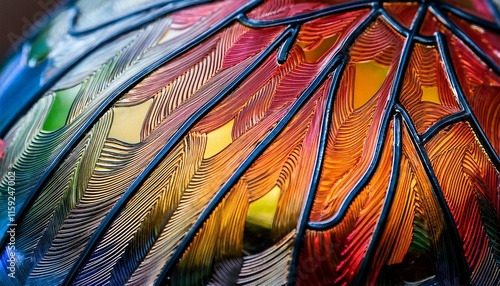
pixel 17 17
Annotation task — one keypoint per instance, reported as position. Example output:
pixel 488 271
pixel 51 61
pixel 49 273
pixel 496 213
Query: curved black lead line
pixel 443 123
pixel 259 149
pixel 398 27
pixel 464 38
pixel 463 267
pixel 73 31
pixel 7 122
pixel 469 17
pixel 301 18
pixel 316 176
pixel 389 197
pixel 395 90
pixel 303 219
pixel 288 44
pixel 174 140
pixel 455 85
pixel 109 101
pixel 402 30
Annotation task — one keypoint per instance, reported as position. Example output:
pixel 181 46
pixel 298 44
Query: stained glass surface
pixel 253 142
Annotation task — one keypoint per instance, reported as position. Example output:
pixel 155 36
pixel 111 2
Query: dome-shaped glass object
pixel 253 142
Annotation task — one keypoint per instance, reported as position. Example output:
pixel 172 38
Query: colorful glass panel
pixel 253 142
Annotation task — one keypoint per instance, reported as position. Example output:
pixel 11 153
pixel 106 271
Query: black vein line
pixel 394 23
pixel 318 165
pixel 443 123
pixel 34 95
pixel 302 222
pixel 455 85
pixel 259 149
pixel 108 103
pixel 469 17
pixel 464 38
pixel 253 23
pixel 301 18
pixel 463 267
pixel 393 184
pixel 415 37
pixel 174 140
pixel 395 90
pixel 288 44
pixel 402 30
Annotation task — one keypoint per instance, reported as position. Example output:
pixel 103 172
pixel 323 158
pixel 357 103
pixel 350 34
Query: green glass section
pixel 259 222
pixel 56 118
pixel 261 212
pixel 39 48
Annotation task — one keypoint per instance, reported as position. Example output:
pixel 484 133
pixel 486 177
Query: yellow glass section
pixel 218 139
pixel 59 110
pixel 369 78
pixel 127 122
pixel 430 94
pixel 312 55
pixel 261 212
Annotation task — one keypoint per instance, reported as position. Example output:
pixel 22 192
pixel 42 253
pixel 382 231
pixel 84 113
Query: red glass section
pixel 426 92
pixel 334 256
pixel 470 186
pixel 430 25
pixel 272 9
pixel 481 87
pixel 488 41
pixel 404 13
pixel 478 8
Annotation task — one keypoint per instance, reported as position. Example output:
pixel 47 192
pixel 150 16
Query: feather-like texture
pixel 460 164
pixel 61 43
pixel 273 262
pixel 287 170
pixel 63 191
pixel 24 132
pixel 488 41
pixel 426 92
pixel 102 191
pixel 214 171
pixel 256 84
pixel 255 143
pixel 163 189
pixel 92 14
pixel 481 87
pixel 115 66
pixel 416 231
pixel 30 167
pixel 350 148
pixel 478 8
pixel 403 12
pixel 341 251
pixel 274 10
pixel 95 91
